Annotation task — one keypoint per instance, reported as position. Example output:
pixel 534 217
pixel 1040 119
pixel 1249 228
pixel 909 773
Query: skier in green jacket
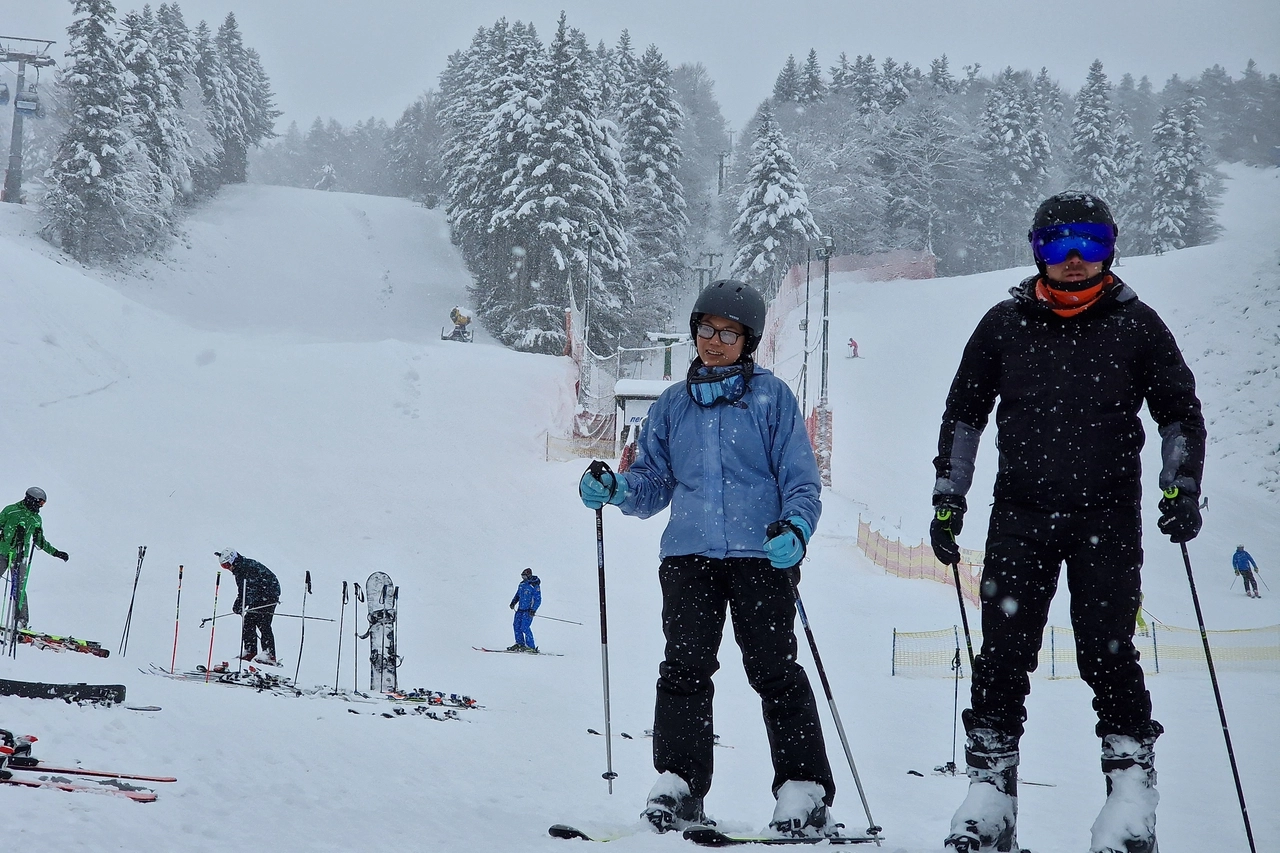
pixel 20 527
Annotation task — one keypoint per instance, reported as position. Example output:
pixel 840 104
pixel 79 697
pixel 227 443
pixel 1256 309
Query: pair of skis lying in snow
pixel 38 775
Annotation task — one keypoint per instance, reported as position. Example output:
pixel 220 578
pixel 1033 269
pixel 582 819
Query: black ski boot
pixel 987 820
pixel 1127 822
pixel 671 807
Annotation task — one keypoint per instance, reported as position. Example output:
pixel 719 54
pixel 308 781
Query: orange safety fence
pixel 917 561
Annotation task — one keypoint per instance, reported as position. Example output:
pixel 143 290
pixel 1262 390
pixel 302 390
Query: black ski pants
pixel 695 592
pixel 258 620
pixel 1102 549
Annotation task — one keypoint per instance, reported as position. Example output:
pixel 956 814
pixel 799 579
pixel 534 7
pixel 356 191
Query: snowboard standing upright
pixel 381 595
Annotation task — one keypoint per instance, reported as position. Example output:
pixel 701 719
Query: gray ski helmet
pixel 1070 207
pixel 37 494
pixel 733 300
pixel 226 556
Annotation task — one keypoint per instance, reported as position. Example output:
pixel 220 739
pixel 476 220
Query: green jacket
pixel 19 527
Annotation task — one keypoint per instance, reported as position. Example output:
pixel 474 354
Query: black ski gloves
pixel 1179 515
pixel 948 521
pixel 62 555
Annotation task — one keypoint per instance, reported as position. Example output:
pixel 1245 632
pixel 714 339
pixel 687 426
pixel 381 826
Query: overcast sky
pixel 352 60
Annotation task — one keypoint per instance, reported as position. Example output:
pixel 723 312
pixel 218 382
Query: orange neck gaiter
pixel 1068 303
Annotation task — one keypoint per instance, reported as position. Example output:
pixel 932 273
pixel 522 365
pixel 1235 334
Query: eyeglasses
pixel 728 337
pixel 1093 241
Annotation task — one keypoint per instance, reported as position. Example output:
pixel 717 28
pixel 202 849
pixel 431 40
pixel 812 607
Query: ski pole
pixel 208 619
pixel 306 591
pixel 245 609
pixel 794 574
pixel 1258 572
pixel 128 620
pixel 554 619
pixel 1233 582
pixel 217 582
pixel 337 672
pixel 598 469
pixel 355 644
pixel 1217 695
pixel 964 617
pixel 176 614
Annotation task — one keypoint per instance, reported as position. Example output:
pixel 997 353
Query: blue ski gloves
pixel 599 486
pixel 948 521
pixel 787 541
pixel 1179 515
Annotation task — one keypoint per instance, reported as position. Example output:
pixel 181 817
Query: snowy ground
pixel 278 385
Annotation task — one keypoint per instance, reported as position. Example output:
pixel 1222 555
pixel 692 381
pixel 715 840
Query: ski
pixel 57 643
pixel 517 652
pixel 41 767
pixel 138 795
pixel 711 837
pixel 421 695
pixel 107 693
pixel 561 830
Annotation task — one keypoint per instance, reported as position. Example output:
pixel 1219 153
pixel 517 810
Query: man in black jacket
pixel 1072 357
pixel 257 594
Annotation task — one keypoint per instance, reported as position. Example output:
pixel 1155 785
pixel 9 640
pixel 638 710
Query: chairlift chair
pixel 4 94
pixel 27 101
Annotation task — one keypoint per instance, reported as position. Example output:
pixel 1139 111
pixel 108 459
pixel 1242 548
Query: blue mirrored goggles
pixel 1094 241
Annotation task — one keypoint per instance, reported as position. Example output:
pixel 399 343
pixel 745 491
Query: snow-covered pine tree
pixel 940 75
pixel 608 78
pixel 101 206
pixel 893 84
pixel 812 88
pixel 1015 152
pixel 774 224
pixel 178 61
pixel 1168 183
pixel 1092 163
pixel 219 107
pixel 841 75
pixel 1132 204
pixel 239 126
pixel 1048 95
pixel 655 217
pixel 1256 130
pixel 152 109
pixel 866 86
pixel 413 152
pixel 786 88
pixel 703 137
pixel 1201 183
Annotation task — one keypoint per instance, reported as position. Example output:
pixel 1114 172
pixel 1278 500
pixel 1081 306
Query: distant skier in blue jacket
pixel 525 603
pixel 727 450
pixel 1245 567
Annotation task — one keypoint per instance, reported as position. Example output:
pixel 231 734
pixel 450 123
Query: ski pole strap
pixel 359 595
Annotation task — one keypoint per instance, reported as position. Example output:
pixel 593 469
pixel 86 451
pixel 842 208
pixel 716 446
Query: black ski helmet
pixel 1069 207
pixel 527 573
pixel 37 494
pixel 733 300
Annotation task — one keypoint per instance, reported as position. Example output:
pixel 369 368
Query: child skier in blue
pixel 525 603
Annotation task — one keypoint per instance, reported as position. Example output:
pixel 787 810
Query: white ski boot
pixel 801 813
pixel 987 820
pixel 1127 822
pixel 671 805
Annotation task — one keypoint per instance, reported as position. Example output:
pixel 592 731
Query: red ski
pixel 138 796
pixel 41 767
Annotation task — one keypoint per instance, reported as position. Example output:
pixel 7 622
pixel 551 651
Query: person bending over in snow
pixel 257 594
pixel 525 603
pixel 20 528
pixel 1245 566
pixel 728 451
pixel 1072 357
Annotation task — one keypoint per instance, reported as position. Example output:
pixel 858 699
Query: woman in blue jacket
pixel 525 603
pixel 728 452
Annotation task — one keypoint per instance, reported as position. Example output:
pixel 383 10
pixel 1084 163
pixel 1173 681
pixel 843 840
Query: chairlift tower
pixel 24 51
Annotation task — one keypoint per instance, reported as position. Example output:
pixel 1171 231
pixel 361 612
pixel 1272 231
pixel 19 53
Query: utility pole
pixel 804 327
pixel 711 263
pixel 36 55
pixel 824 437
pixel 593 231
pixel 723 155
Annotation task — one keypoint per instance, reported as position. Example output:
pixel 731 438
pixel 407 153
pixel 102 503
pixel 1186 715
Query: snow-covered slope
pixel 277 385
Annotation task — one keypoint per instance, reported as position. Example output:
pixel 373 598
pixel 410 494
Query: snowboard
pixel 67 692
pixel 381 595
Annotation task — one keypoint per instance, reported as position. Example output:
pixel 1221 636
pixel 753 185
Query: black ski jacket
pixel 1070 390
pixel 255 582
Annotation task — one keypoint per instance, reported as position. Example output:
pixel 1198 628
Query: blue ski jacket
pixel 1242 562
pixel 727 471
pixel 528 595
